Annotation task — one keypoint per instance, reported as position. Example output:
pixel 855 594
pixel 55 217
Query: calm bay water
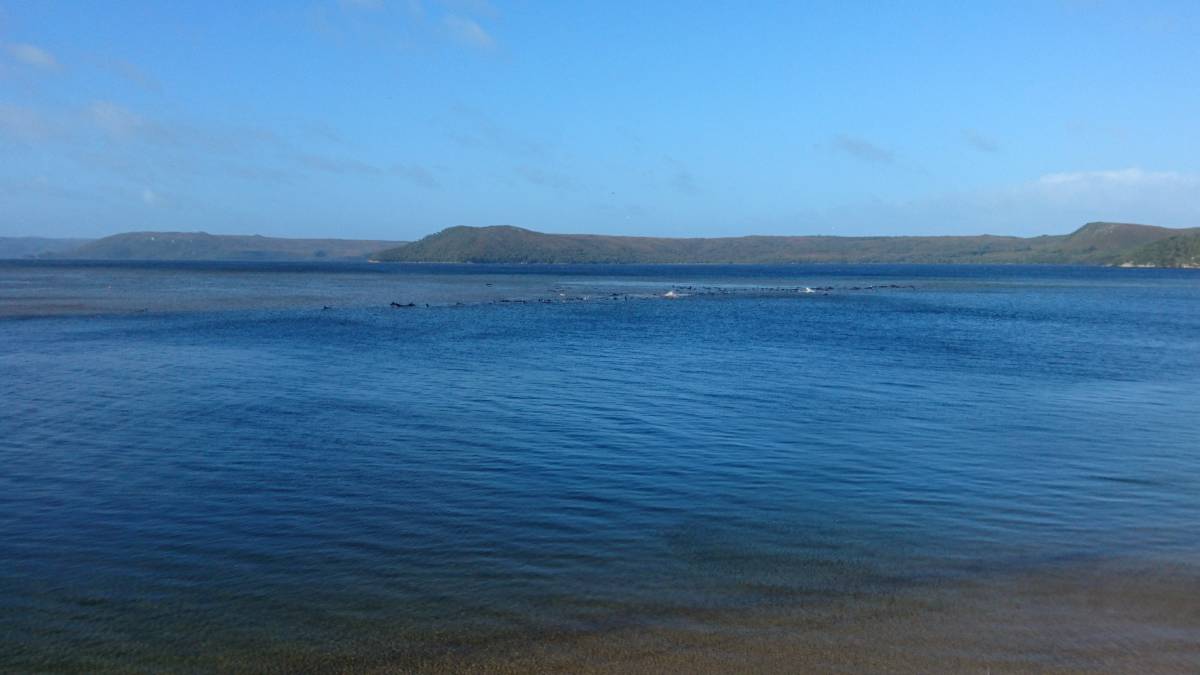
pixel 203 467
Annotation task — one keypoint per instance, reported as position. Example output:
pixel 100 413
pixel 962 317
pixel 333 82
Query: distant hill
pixel 1094 243
pixel 204 246
pixel 1106 243
pixel 1177 251
pixel 33 247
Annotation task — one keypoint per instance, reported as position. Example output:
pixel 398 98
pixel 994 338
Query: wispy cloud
pixel 545 178
pixel 338 165
pixel 361 4
pixel 1131 177
pixel 682 180
pixel 1131 195
pixel 403 24
pixel 468 32
pixel 326 133
pixel 862 149
pixel 108 137
pixel 415 174
pixel 1047 204
pixel 471 7
pixel 44 187
pixel 120 122
pixel 979 141
pixel 474 128
pixel 115 122
pixel 129 72
pixel 32 55
pixel 26 125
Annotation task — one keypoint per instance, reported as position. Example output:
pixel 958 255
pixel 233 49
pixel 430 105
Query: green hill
pixel 1106 242
pixel 1094 243
pixel 1177 251
pixel 204 246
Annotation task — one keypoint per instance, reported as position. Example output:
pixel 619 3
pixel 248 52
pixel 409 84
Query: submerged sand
pixel 1094 617
pixel 1100 618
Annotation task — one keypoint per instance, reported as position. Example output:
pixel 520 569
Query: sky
pixel 393 119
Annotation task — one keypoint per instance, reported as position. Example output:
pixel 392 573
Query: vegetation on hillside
pixel 1094 243
pixel 1178 251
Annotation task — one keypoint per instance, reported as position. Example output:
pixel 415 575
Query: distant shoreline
pixel 331 263
pixel 1104 244
pixel 1094 244
pixel 1115 615
pixel 383 264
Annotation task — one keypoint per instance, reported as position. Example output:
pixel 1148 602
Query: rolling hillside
pixel 1176 251
pixel 1094 243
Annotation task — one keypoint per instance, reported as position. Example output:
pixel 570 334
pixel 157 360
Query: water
pixel 202 468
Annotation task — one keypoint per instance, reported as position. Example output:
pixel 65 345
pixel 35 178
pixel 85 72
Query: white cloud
pixel 149 197
pixel 469 32
pixel 32 55
pixel 1131 177
pixel 1053 203
pixel 1134 194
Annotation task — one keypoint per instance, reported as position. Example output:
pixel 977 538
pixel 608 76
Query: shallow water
pixel 203 468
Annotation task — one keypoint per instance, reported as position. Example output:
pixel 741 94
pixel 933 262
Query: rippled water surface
pixel 201 461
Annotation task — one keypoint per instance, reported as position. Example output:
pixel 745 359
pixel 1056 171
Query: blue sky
pixel 397 118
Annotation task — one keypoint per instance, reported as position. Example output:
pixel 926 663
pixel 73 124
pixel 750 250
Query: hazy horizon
pixel 394 119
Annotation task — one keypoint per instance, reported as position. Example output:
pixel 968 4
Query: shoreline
pixel 333 263
pixel 1097 616
pixel 1114 615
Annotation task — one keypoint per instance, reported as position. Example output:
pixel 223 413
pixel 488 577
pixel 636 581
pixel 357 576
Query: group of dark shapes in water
pixel 560 295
